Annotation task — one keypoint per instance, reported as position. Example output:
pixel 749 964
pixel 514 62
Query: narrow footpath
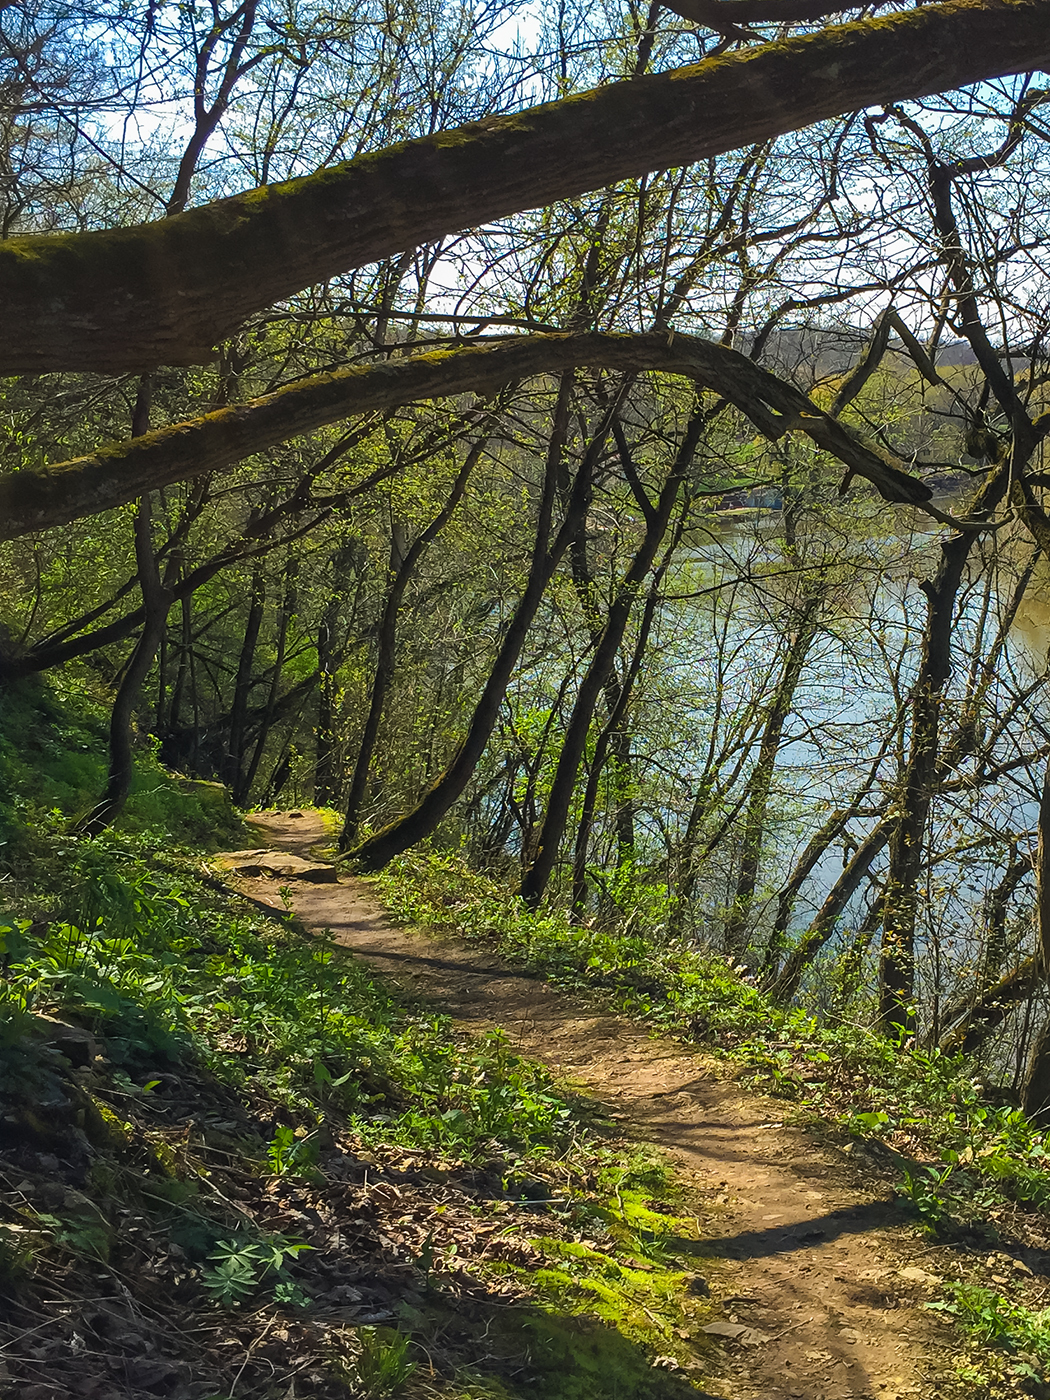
pixel 820 1279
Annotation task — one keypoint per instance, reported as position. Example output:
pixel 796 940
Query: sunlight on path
pixel 810 1253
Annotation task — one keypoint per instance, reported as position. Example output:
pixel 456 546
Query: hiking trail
pixel 814 1266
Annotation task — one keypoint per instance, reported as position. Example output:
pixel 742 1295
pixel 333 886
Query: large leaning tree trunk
pixel 559 801
pixel 39 498
pixel 423 819
pixel 121 300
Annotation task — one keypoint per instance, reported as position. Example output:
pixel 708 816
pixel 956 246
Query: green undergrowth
pixel 142 958
pixel 1011 1342
pixel 53 757
pixel 266 1127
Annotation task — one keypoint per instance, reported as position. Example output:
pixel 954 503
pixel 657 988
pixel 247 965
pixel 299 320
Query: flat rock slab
pixel 277 865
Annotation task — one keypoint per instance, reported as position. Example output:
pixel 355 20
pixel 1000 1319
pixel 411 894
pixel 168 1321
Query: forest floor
pixel 818 1275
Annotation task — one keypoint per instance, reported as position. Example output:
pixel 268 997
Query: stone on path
pixel 276 865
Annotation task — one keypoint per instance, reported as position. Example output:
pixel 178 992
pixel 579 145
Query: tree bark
pixel 604 748
pixel 387 643
pixel 288 608
pixel 786 983
pixel 1035 1094
pixel 156 602
pixel 537 874
pixel 166 293
pixel 761 780
pixel 897 954
pixel 234 764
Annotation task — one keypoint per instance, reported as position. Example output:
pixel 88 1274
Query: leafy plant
pixel 16 1257
pixel 242 1266
pixel 235 1276
pixel 869 1122
pixel 290 1155
pixel 924 1189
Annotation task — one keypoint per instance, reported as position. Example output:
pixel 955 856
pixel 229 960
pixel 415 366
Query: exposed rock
pixel 736 1332
pixel 277 865
pixel 76 1044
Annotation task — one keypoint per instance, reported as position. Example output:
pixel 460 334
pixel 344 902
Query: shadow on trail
pixel 802 1234
pixel 410 960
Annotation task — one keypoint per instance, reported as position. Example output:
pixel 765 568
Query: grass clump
pixel 383 1366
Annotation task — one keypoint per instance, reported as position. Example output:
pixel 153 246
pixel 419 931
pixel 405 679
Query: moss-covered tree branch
pixel 38 500
pixel 167 292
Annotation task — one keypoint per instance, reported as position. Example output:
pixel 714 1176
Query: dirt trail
pixel 810 1256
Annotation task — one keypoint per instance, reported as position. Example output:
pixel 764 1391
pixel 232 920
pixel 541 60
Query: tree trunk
pixel 1035 1094
pixel 536 876
pixel 614 726
pixel 121 300
pixel 156 601
pixel 897 954
pixel 233 767
pixel 381 848
pixel 289 604
pixel 36 499
pixel 761 780
pixel 786 983
pixel 403 566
